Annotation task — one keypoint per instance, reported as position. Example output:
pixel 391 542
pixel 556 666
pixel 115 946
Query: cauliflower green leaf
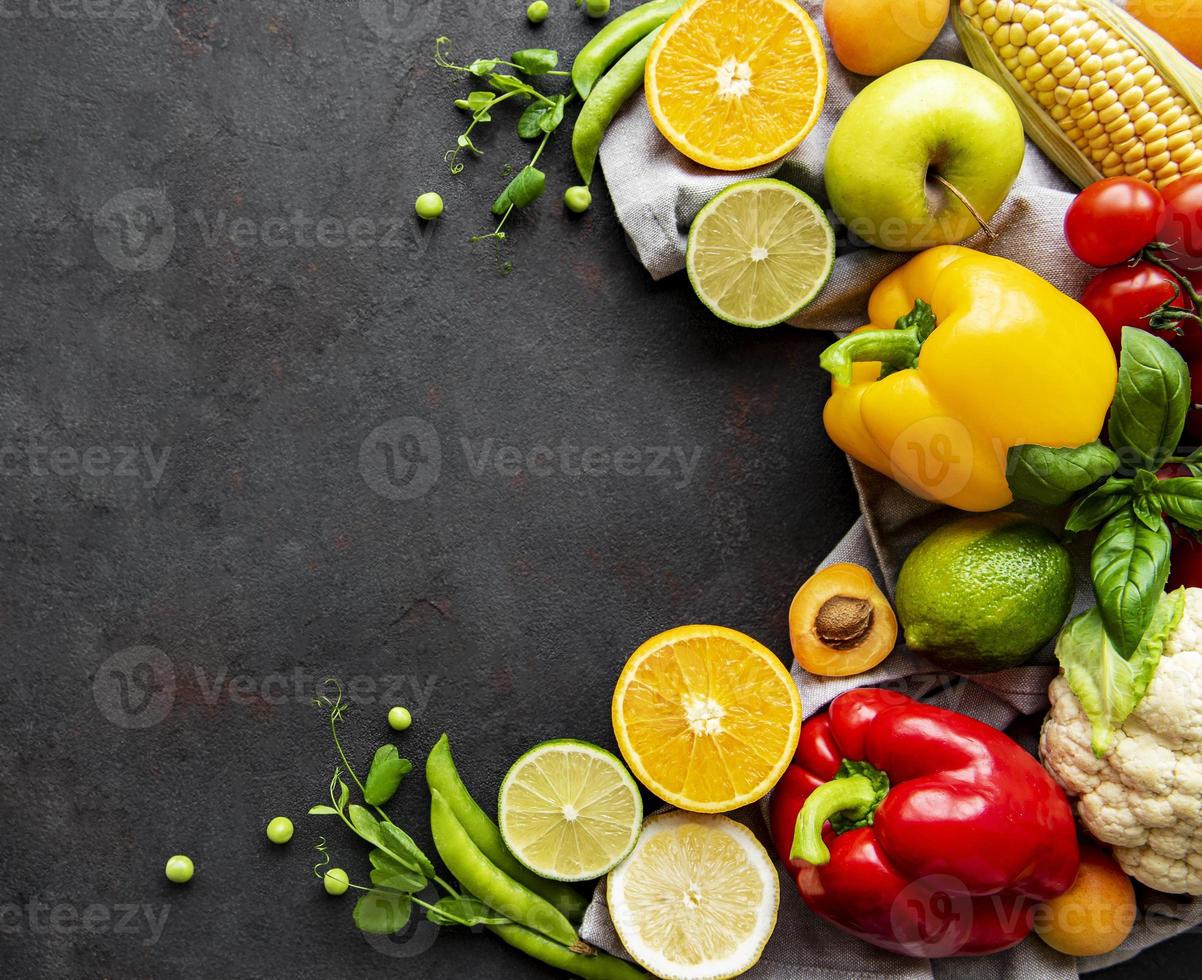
pixel 1109 685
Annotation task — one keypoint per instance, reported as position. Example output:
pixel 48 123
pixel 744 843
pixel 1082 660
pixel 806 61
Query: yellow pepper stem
pixel 895 349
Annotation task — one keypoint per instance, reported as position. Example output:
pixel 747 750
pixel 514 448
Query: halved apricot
pixel 840 623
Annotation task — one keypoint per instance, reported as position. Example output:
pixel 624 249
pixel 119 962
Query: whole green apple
pixel 921 122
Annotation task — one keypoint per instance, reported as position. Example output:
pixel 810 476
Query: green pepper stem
pixel 847 793
pixel 895 349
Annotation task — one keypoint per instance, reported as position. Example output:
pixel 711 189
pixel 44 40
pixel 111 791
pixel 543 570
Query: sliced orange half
pixel 734 84
pixel 706 717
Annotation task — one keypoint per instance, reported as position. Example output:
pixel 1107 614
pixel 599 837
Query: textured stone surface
pixel 242 451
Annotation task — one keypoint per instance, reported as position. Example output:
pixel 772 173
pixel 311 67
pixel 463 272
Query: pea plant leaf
pixel 382 913
pixel 1129 566
pixel 541 117
pixel 387 872
pixel 464 911
pixel 535 61
pixel 1150 399
pixel 1050 475
pixel 323 810
pixel 385 775
pixel 526 186
pixel 401 847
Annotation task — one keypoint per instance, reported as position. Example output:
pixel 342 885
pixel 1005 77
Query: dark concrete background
pixel 238 457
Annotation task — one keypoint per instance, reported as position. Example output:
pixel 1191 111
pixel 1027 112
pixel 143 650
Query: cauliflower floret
pixel 1145 796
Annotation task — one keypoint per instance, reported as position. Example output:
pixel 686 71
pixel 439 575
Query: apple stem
pixel 967 204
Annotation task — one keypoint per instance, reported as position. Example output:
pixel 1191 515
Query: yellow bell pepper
pixel 1007 359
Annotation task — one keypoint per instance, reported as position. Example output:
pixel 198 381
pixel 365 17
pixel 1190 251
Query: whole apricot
pixel 872 37
pixel 1095 914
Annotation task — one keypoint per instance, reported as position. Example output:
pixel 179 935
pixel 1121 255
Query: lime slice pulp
pixel 569 810
pixel 759 252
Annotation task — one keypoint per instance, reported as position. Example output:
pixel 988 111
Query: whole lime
pixel 984 593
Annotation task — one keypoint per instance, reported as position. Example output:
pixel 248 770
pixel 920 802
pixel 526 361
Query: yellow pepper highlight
pixel 1008 360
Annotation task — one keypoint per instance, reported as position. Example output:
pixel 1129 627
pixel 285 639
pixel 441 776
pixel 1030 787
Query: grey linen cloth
pixel 656 192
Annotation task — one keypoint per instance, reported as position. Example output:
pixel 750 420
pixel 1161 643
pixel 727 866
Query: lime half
pixel 759 252
pixel 569 810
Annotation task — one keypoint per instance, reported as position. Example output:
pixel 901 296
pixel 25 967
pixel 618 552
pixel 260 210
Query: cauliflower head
pixel 1144 796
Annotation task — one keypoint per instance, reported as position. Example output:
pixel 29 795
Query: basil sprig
pixel 1129 565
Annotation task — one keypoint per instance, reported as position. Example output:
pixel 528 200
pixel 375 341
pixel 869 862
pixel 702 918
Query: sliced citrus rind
pixel 706 717
pixel 569 810
pixel 735 84
pixel 759 252
pixel 696 899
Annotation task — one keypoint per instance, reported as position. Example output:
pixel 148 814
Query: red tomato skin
pixel 1193 417
pixel 1125 296
pixel 1110 221
pixel 1181 225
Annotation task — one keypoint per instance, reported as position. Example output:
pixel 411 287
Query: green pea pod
pixel 616 86
pixel 488 882
pixel 615 39
pixel 442 775
pixel 594 966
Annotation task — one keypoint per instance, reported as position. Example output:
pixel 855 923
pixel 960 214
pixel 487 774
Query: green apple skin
pixel 925 116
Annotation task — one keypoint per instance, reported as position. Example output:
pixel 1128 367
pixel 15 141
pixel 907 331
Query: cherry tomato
pixel 1185 562
pixel 1181 226
pixel 1126 296
pixel 1110 221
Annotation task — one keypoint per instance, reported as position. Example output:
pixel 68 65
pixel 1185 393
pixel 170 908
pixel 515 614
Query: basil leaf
pixel 382 913
pixel 1150 400
pixel 1090 511
pixel 464 911
pixel 322 809
pixel 535 61
pixel 525 187
pixel 1049 475
pixel 400 846
pixel 1129 567
pixel 1147 512
pixel 385 775
pixel 1181 499
pixel 387 872
pixel 1108 685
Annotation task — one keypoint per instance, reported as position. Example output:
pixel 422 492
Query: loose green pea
pixel 596 8
pixel 279 830
pixel 336 882
pixel 428 206
pixel 577 198
pixel 399 718
pixel 179 868
pixel 537 12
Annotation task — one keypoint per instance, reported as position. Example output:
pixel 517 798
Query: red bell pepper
pixel 943 832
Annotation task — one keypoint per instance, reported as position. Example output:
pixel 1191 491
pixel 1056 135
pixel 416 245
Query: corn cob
pixel 1098 92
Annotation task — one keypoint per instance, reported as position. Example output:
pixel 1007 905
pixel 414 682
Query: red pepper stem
pixel 846 793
